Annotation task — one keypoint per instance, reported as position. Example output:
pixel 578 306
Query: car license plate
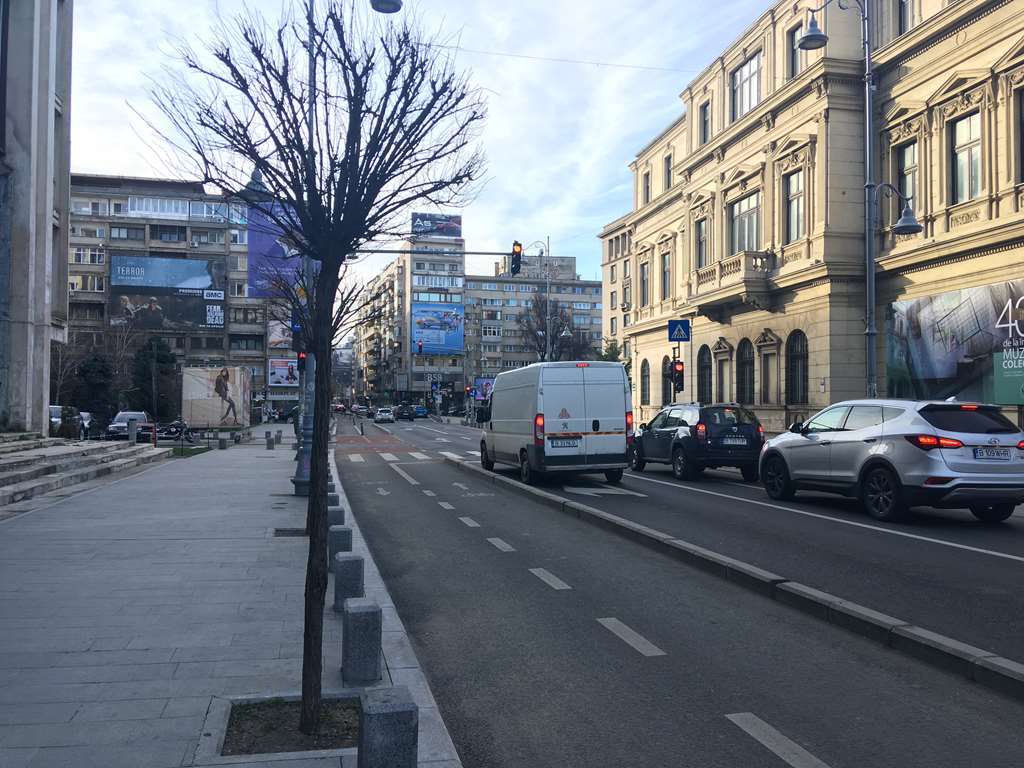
pixel 565 443
pixel 734 441
pixel 997 454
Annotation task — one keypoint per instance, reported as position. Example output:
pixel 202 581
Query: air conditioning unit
pixel 625 306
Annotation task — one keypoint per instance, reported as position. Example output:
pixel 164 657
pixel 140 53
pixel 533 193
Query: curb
pixel 977 664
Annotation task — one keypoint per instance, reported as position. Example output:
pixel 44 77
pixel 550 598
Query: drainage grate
pixel 289 532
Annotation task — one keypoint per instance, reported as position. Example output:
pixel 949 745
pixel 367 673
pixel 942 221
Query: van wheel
pixel 881 495
pixel 776 479
pixel 992 513
pixel 485 460
pixel 526 474
pixel 613 475
pixel 682 469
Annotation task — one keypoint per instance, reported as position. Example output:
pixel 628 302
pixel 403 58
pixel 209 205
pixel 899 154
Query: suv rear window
pixel 980 421
pixel 727 416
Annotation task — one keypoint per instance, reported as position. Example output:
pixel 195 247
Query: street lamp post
pixel 811 40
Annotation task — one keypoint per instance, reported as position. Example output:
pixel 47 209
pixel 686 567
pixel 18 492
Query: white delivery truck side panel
pixel 513 407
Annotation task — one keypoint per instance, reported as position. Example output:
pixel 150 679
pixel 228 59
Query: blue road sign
pixel 678 330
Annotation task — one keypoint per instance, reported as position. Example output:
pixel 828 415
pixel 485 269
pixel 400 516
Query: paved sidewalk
pixel 124 611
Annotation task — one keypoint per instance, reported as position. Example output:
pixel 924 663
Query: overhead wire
pixel 561 60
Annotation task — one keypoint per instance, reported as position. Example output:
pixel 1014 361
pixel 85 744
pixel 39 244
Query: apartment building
pixel 161 257
pixel 748 214
pixel 35 114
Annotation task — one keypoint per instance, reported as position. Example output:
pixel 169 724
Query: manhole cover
pixel 292 533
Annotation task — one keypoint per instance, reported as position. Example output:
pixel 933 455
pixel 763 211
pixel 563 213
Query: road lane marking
pixel 420 456
pixel 639 643
pixel 445 505
pixel 503 545
pixel 451 455
pixel 441 440
pixel 429 493
pixel 602 490
pixel 411 480
pixel 469 521
pixel 838 520
pixel 776 742
pixel 465 437
pixel 383 492
pixel 463 486
pixel 356 458
pixel 439 431
pixel 388 456
pixel 549 578
pixel 473 453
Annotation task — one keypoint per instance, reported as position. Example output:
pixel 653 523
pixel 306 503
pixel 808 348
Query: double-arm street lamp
pixel 545 247
pixel 908 224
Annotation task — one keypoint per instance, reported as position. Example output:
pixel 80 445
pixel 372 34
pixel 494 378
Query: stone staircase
pixel 31 465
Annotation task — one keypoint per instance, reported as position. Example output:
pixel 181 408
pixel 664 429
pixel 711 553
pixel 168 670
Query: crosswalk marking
pixel 389 457
pixel 355 458
pixel 473 453
pixel 451 455
pixel 419 456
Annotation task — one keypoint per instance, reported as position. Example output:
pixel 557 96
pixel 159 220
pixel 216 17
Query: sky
pixel 559 136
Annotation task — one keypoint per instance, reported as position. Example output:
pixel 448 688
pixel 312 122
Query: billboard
pixel 270 255
pixel 967 343
pixel 216 397
pixel 283 372
pixel 154 293
pixel 279 335
pixel 436 225
pixel 440 327
pixel 483 387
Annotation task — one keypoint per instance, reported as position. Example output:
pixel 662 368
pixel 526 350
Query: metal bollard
pixel 389 723
pixel 360 641
pixel 339 539
pixel 268 435
pixel 348 578
pixel 133 430
pixel 222 443
pixel 270 443
pixel 335 516
pixel 277 437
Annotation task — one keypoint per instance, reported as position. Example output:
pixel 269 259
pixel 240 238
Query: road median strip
pixel 983 667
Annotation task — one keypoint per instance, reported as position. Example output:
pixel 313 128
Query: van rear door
pixel 565 414
pixel 605 400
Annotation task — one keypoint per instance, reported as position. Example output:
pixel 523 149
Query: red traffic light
pixel 517 248
pixel 678 366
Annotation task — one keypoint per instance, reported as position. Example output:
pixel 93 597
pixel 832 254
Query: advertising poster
pixel 283 372
pixel 967 343
pixel 270 256
pixel 216 397
pixel 483 387
pixel 441 328
pixel 436 225
pixel 154 293
pixel 279 335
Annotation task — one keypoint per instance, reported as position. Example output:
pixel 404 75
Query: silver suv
pixel 894 454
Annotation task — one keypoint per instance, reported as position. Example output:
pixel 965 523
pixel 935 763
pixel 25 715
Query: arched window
pixel 704 375
pixel 745 372
pixel 667 391
pixel 645 383
pixel 796 368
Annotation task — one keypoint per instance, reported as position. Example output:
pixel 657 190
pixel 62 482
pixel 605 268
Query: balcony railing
pixel 741 277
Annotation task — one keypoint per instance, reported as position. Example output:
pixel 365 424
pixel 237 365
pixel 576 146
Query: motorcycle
pixel 176 430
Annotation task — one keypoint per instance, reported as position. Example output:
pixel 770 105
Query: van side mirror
pixel 483 415
pixel 797 427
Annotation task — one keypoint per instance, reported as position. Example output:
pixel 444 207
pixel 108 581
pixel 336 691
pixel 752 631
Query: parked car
pixel 558 417
pixel 360 410
pixel 692 438
pixel 420 411
pixel 56 417
pixel 384 416
pixel 118 428
pixel 405 411
pixel 895 454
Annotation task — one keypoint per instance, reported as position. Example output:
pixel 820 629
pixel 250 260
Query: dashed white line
pixel 473 453
pixel 549 578
pixel 465 437
pixel 355 458
pixel 388 456
pixel 445 505
pixel 501 544
pixel 451 455
pixel 469 521
pixel 776 742
pixel 411 480
pixel 632 638
pixel 420 456
pixel 431 429
pixel 429 493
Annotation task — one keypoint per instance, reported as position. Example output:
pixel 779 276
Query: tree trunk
pixel 316 515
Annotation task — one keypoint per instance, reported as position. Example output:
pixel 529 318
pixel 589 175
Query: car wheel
pixel 636 461
pixel 485 460
pixel 776 479
pixel 750 473
pixel 881 495
pixel 992 513
pixel 681 467
pixel 613 475
pixel 526 473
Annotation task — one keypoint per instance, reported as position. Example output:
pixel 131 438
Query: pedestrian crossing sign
pixel 678 330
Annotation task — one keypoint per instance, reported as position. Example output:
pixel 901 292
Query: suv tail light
pixel 629 428
pixel 760 432
pixel 1020 445
pixel 538 430
pixel 928 442
pixel 702 431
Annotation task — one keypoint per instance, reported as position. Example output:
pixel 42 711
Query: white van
pixel 559 417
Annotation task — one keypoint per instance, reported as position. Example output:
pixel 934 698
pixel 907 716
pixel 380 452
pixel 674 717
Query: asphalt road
pixel 549 642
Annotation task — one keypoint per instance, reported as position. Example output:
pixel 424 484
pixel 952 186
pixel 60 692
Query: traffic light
pixel 302 361
pixel 419 346
pixel 678 375
pixel 517 257
pixel 298 341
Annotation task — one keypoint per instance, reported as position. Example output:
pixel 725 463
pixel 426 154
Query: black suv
pixel 405 411
pixel 693 438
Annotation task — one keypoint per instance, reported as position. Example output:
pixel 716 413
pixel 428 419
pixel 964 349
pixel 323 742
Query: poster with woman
pixel 216 397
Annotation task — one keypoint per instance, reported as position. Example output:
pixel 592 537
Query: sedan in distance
pixel 384 416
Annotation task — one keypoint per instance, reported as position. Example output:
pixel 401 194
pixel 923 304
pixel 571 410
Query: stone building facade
pixel 748 214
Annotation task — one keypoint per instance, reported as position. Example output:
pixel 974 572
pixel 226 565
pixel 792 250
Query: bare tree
pixel 122 342
pixel 349 120
pixel 567 342
pixel 64 362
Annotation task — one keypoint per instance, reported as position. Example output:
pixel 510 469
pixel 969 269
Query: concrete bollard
pixel 348 578
pixel 360 641
pixel 389 724
pixel 335 516
pixel 270 443
pixel 333 500
pixel 277 437
pixel 222 443
pixel 339 539
pixel 268 435
pixel 330 486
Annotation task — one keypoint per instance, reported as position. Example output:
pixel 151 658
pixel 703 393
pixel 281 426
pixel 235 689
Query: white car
pixel 384 416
